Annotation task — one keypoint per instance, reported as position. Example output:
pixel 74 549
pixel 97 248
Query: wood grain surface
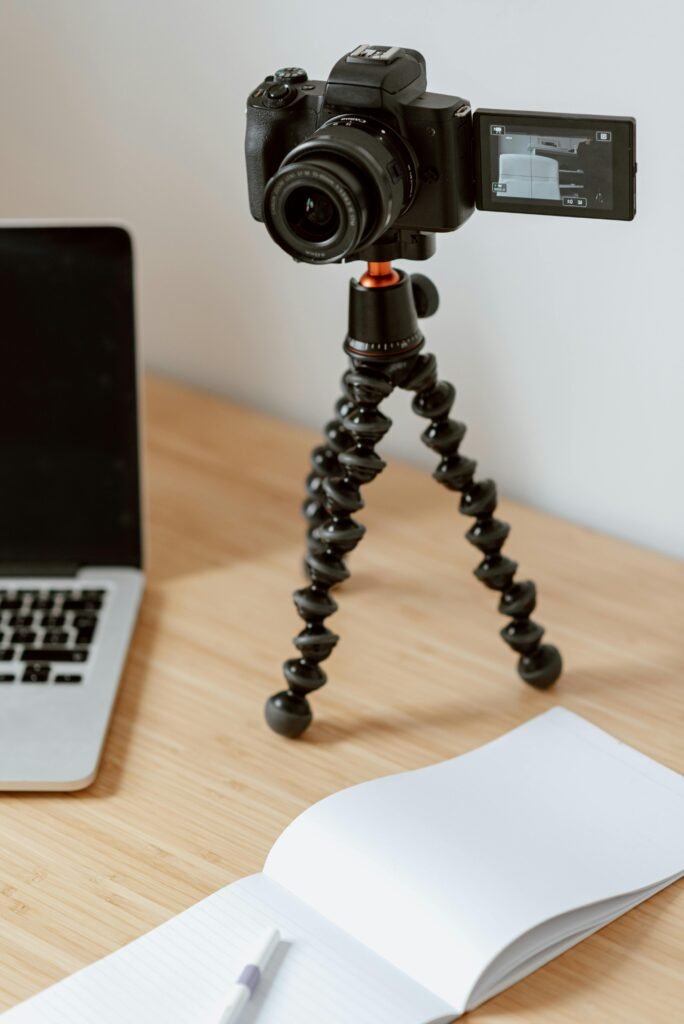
pixel 194 789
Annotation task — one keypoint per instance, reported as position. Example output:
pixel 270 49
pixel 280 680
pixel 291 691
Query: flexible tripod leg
pixel 325 464
pixel 539 664
pixel 289 712
pixel 384 343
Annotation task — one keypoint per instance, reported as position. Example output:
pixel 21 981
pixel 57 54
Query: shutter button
pixel 278 94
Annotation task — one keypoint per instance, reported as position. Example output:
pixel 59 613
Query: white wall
pixel 563 338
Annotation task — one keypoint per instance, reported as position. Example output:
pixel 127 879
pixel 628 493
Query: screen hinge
pixel 48 569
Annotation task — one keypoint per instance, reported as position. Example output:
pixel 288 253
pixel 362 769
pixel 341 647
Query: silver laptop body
pixel 71 575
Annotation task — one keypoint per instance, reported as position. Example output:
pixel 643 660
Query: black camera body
pixel 369 165
pixel 373 118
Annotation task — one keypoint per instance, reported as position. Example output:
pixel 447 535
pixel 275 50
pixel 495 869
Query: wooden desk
pixel 194 789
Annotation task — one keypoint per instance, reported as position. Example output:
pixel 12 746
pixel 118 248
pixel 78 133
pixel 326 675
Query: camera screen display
pixel 554 163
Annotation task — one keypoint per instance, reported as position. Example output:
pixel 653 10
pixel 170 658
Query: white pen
pixel 250 976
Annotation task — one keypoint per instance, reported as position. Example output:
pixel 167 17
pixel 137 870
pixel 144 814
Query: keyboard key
pixel 6 654
pixel 23 636
pixel 68 679
pixel 53 621
pixel 7 677
pixel 85 620
pixel 36 674
pixel 53 654
pixel 84 636
pixel 10 603
pixel 42 604
pixel 21 620
pixel 79 604
pixel 55 636
pixel 58 593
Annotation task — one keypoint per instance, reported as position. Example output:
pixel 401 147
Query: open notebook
pixel 412 898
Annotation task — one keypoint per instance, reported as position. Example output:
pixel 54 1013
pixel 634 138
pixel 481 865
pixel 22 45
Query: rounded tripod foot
pixel 287 714
pixel 542 668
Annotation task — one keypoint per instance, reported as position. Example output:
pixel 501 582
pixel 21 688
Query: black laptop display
pixel 69 467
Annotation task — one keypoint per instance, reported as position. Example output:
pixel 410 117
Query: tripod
pixel 384 345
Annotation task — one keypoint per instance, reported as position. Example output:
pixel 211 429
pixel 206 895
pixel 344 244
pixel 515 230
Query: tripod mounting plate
pixel 399 244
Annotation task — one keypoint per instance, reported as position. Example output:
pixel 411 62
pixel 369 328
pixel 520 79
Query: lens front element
pixel 312 215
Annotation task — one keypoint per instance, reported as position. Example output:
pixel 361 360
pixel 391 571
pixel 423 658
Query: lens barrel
pixel 339 190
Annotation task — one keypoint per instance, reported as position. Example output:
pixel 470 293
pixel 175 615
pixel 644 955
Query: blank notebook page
pixel 181 972
pixel 477 851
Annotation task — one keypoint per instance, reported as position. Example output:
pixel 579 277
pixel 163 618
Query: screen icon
pixel 574 201
pixel 498 186
pixel 497 129
pixel 604 136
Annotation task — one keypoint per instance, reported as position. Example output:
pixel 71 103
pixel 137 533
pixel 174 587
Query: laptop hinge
pixel 38 568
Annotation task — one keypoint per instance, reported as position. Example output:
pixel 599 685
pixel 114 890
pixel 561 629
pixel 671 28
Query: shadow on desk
pixel 226 483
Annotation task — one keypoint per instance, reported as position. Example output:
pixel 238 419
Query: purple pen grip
pixel 250 977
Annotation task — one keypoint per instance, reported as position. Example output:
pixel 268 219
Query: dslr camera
pixel 369 165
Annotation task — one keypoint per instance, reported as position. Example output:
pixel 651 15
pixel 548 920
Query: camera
pixel 369 165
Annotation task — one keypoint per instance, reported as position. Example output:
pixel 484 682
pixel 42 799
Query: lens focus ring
pixel 379 156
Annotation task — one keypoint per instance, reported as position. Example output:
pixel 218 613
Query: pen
pixel 250 976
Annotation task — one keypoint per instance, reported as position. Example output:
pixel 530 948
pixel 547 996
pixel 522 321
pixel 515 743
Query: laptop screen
pixel 68 402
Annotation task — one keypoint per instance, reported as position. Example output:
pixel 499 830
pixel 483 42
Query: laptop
pixel 71 575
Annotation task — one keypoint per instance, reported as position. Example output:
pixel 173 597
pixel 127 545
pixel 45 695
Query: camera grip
pixel 270 136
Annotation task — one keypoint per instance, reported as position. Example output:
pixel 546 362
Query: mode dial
pixel 292 75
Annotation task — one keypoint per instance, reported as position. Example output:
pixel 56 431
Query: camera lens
pixel 339 190
pixel 315 209
pixel 311 214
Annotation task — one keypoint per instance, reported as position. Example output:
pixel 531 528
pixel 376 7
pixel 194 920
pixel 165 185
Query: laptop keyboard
pixel 49 633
